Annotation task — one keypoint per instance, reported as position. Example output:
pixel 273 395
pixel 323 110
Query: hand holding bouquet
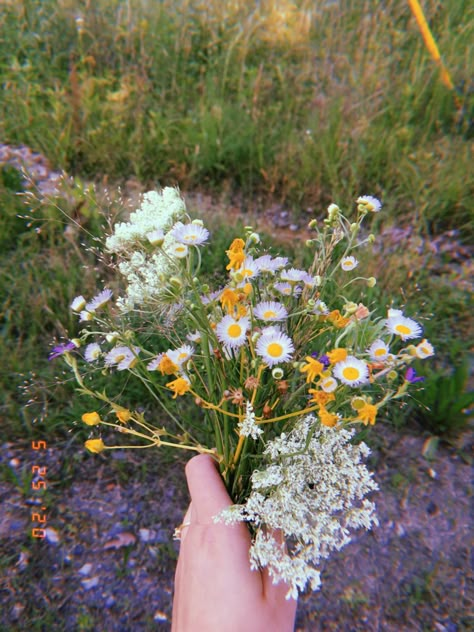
pixel 280 367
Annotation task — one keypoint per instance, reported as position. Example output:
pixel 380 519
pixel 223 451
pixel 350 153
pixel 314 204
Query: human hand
pixel 215 589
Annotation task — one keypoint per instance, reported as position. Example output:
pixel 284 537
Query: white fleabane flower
pixel 92 352
pixel 78 304
pixel 189 234
pixel 328 384
pixel 403 326
pixel 287 289
pixel 99 301
pixel 248 426
pixel 232 332
pixel 424 349
pixel 266 263
pixel 369 203
pixel 349 263
pixel 180 355
pixel 123 357
pixel 155 237
pixel 249 268
pixel 85 316
pixel 178 250
pixel 378 350
pixel 293 275
pixel 274 347
pixel 351 371
pixel 270 310
pixel 312 491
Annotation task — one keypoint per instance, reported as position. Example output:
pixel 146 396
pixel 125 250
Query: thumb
pixel 206 487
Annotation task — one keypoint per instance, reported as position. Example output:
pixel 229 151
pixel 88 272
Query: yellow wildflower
pixel 228 300
pixel 179 386
pixel 236 254
pixel 167 366
pixel 337 355
pixel 321 397
pixel 95 445
pixel 326 418
pixel 367 414
pixel 91 419
pixel 313 368
pixel 123 415
pixel 337 319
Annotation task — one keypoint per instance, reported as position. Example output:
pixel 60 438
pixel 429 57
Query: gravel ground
pixel 108 560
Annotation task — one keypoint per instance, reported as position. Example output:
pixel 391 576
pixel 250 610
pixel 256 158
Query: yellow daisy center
pixel 350 373
pixel 275 350
pixel 379 352
pixel 247 272
pixel 269 313
pixel 180 248
pixel 182 356
pixel 190 237
pixel 119 358
pixel 403 329
pixel 234 330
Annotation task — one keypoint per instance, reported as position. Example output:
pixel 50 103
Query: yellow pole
pixel 430 42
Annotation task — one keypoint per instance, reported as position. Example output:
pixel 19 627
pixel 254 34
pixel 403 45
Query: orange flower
pixel 123 415
pixel 167 366
pixel 91 419
pixel 321 397
pixel 337 355
pixel 367 414
pixel 326 418
pixel 236 254
pixel 228 300
pixel 180 386
pixel 337 319
pixel 95 445
pixel 313 368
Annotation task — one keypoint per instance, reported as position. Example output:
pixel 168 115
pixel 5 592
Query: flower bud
pixel 95 446
pixel 91 419
pixel 313 223
pixel 76 342
pixel 254 238
pixel 371 282
pixel 354 228
pixel 308 243
pixel 350 308
pixel 392 375
pixel 371 238
pixel 176 282
pixel 277 373
pixel 197 222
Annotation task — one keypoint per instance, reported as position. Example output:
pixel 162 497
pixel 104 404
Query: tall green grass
pixel 306 102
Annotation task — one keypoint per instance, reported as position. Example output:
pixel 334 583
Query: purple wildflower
pixel 412 377
pixel 58 350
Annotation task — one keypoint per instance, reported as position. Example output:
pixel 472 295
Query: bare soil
pixel 107 561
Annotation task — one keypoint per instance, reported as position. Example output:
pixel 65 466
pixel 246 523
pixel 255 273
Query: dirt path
pixel 108 561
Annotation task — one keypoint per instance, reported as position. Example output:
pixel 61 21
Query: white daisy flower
pixel 287 289
pixel 92 352
pixel 155 363
pixel 266 263
pixel 194 336
pixel 320 307
pixel 328 384
pixel 352 371
pixel 232 332
pixel 85 316
pixel 178 250
pixel 190 234
pixel 78 304
pixel 349 263
pixel 99 301
pixel 378 350
pixel 370 203
pixel 249 268
pixel 123 357
pixel 156 237
pixel 181 355
pixel 274 347
pixel 394 312
pixel 404 327
pixel 424 349
pixel 293 275
pixel 270 310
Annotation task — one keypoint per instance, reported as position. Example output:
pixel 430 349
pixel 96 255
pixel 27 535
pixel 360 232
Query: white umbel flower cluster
pixel 158 212
pixel 146 273
pixel 304 503
pixel 248 427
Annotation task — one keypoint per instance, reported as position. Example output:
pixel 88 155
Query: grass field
pixel 298 104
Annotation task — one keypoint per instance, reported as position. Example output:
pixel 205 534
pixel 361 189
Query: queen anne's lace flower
pixel 312 491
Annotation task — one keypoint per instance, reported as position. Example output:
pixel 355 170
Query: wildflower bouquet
pixel 280 366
